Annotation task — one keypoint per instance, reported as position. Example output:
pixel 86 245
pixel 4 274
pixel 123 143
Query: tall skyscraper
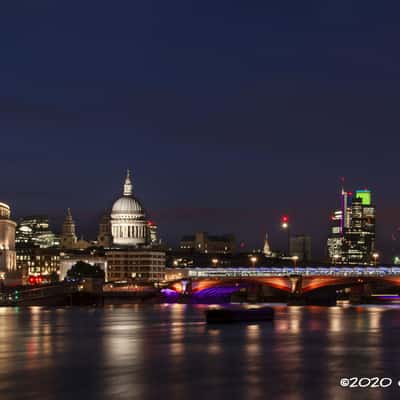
pixel 359 242
pixel 352 237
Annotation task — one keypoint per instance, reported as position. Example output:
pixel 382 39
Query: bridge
pixel 285 280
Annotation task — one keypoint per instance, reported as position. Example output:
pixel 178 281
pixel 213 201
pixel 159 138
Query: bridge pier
pixel 255 293
pixel 187 287
pixel 358 294
pixel 296 291
pixel 296 282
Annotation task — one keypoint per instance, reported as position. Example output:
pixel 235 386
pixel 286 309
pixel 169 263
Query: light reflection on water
pixel 168 352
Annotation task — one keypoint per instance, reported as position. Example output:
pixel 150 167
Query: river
pixel 168 352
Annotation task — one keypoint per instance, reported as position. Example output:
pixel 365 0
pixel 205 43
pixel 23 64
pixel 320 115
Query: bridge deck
pixel 242 272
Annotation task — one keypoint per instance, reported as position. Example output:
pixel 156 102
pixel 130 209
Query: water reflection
pixel 167 351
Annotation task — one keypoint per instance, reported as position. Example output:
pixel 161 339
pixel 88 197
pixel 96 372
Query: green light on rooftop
pixel 365 196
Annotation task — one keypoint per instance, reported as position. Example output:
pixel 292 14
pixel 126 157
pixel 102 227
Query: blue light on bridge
pixel 287 270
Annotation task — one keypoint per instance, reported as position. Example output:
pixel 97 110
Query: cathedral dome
pixel 128 206
pixel 128 219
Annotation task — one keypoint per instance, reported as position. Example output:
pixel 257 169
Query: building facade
pixel 38 262
pixel 104 238
pixel 359 244
pixel 353 233
pixel 300 247
pixel 7 240
pixel 202 242
pixel 34 231
pixel 139 265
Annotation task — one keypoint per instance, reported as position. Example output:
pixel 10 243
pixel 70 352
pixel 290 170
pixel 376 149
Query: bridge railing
pixel 243 272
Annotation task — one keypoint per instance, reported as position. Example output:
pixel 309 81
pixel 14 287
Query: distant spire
pixel 266 249
pixel 342 184
pixel 128 188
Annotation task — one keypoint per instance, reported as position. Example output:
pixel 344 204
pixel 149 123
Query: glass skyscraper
pixel 352 237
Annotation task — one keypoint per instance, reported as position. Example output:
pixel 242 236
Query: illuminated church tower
pixel 266 250
pixel 68 235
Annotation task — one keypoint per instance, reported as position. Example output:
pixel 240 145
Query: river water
pixel 168 352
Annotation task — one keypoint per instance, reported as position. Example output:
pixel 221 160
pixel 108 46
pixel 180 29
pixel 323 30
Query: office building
pixel 352 237
pixel 34 231
pixel 300 247
pixel 359 244
pixel 202 242
pixel 133 264
pixel 38 262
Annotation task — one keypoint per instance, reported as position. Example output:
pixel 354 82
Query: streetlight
pixel 285 226
pixel 336 258
pixel 295 259
pixel 253 260
pixel 214 262
pixel 375 257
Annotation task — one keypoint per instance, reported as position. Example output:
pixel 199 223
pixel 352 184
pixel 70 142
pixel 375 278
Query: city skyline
pixel 88 228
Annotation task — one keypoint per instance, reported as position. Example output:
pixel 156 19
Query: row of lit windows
pixel 143 262
pixel 140 276
pixel 136 269
pixel 138 256
pixel 30 257
pixel 32 264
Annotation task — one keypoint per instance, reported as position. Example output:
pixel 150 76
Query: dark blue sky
pixel 229 113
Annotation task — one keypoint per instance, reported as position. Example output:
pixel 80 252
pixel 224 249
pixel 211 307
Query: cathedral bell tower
pixel 68 235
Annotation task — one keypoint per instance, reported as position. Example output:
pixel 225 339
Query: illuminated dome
pixel 128 219
pixel 129 206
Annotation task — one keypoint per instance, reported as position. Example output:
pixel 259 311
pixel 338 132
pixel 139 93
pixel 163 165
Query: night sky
pixel 229 113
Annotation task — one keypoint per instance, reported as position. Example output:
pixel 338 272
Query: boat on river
pixel 239 314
